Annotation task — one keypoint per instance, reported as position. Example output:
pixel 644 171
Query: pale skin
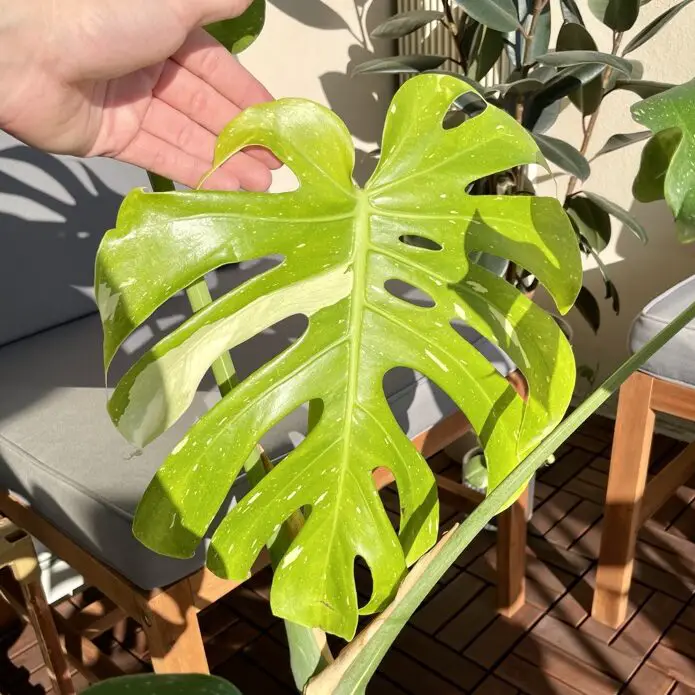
pixel 136 80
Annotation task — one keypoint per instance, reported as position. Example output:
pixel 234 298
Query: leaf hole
pixel 409 293
pixel 489 350
pixel 363 581
pixel 286 435
pixel 284 180
pixel 228 277
pixel 267 344
pixel 420 242
pixel 462 109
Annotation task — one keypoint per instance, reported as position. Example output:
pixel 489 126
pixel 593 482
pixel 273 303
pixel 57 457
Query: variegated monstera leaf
pixel 340 245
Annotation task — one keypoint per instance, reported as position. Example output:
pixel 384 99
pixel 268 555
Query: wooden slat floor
pixel 456 643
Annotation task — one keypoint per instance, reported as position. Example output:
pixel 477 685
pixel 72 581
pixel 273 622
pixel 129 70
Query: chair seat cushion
pixel 676 360
pixel 60 451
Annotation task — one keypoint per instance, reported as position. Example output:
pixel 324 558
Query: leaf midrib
pixel 360 254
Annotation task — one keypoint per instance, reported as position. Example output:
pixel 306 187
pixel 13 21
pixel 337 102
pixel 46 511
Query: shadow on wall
pixel 52 217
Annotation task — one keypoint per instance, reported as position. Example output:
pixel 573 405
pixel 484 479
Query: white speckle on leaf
pixel 320 498
pixel 254 498
pixel 292 494
pixel 476 287
pixel 437 361
pixel 443 196
pixel 179 446
pixel 393 108
pixel 292 556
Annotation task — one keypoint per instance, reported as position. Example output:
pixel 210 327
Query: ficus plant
pixel 538 79
pixel 419 219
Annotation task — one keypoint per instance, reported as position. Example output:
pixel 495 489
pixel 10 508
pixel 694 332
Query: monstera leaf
pixel 671 117
pixel 340 246
pixel 164 685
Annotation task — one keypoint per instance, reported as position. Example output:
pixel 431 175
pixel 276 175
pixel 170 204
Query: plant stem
pixel 589 130
pixel 257 466
pixel 538 7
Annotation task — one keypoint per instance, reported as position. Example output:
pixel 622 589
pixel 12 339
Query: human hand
pixel 137 81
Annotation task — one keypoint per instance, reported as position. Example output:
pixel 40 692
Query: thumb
pixel 200 12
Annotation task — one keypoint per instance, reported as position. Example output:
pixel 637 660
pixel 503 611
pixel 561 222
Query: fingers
pixel 203 12
pixel 177 129
pixel 220 72
pixel 205 57
pixel 157 155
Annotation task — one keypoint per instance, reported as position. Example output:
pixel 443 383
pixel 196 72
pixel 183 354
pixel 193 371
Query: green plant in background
pixel 537 82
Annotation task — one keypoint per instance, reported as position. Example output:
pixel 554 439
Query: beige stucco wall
pixel 306 50
pixel 640 272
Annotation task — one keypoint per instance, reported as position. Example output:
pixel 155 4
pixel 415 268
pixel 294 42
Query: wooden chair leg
pixel 634 428
pixel 17 552
pixel 511 557
pixel 170 622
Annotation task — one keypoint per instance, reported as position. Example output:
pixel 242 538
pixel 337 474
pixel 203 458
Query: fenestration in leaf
pixel 340 245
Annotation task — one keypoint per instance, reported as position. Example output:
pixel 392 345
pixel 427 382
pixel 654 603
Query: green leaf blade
pixel 654 27
pixel 670 115
pixel 619 15
pixel 405 23
pixel 237 34
pixel 500 15
pixel 340 246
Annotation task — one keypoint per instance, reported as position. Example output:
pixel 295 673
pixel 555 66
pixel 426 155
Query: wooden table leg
pixel 511 557
pixel 17 552
pixel 632 441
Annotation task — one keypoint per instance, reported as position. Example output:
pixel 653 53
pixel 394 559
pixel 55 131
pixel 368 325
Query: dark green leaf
pixel 591 221
pixel 570 12
pixel 541 36
pixel 656 158
pixel 620 214
pixel 400 64
pixel 565 58
pixel 574 37
pixel 620 140
pixel 237 34
pixel 405 23
pixel 611 290
pixel 546 118
pixel 566 156
pixel 496 14
pixel 619 15
pixel 654 26
pixel 643 88
pixel 614 75
pixel 164 685
pixel 490 48
pixel 519 88
pixel 587 306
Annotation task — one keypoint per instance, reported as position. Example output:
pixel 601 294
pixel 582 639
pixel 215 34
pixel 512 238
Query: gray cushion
pixel 60 451
pixel 676 360
pixel 53 213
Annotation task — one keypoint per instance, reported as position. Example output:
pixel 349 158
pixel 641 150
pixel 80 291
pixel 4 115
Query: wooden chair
pixel 168 614
pixel 666 385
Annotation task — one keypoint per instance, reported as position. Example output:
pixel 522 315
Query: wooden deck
pixel 456 643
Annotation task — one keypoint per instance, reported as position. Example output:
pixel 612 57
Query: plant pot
pixel 474 475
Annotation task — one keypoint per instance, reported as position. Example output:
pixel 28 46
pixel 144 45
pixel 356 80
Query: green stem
pixel 308 651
